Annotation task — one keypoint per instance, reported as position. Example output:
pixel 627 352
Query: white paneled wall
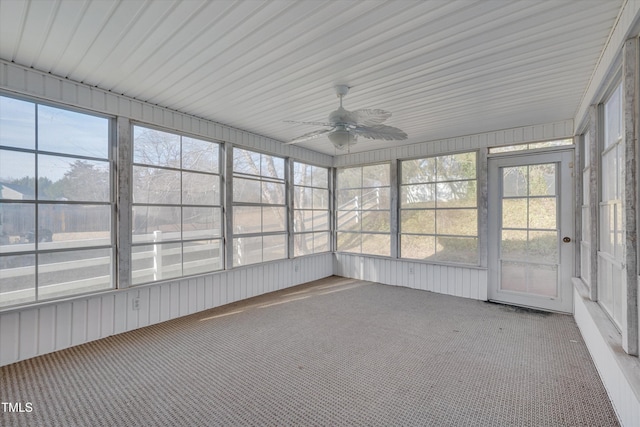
pixel 57 325
pixel 544 132
pixel 466 282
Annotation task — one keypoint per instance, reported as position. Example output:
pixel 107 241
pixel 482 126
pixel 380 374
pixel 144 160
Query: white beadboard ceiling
pixel 443 68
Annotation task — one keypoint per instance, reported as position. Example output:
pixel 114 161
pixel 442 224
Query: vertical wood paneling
pixel 9 331
pixel 94 317
pixel 121 312
pixel 143 313
pixel 107 315
pixel 28 346
pixel 63 325
pixel 79 322
pixel 452 280
pixel 46 329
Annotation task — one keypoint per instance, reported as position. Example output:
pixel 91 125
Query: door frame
pixel 565 223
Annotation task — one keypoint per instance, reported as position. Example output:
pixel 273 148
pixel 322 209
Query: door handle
pixel 566 239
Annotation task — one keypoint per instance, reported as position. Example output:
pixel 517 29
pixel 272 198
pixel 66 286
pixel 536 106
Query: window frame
pixel 181 170
pixel 259 178
pixel 295 209
pixel 435 208
pixel 36 252
pixel 359 216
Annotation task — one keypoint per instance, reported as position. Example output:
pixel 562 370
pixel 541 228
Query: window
pixel 611 244
pixel 177 213
pixel 259 208
pixel 530 146
pixel 56 203
pixel 363 210
pixel 311 209
pixel 585 241
pixel 439 209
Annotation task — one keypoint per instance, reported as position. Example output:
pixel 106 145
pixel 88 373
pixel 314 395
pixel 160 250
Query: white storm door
pixel 531 228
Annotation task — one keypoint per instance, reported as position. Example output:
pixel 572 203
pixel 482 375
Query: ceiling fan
pixel 344 127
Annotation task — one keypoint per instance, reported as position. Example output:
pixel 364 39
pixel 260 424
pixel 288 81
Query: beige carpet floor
pixel 337 352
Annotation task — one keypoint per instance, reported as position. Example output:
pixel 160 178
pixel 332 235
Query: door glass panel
pixel 529 235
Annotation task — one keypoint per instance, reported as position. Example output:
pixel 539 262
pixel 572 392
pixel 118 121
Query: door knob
pixel 566 239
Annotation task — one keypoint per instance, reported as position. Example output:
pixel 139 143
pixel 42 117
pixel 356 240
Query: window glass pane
pixel 349 178
pixel 514 245
pixel 199 223
pixel 375 175
pixel 377 198
pixel 349 242
pixel 156 148
pixel 246 190
pixel 156 223
pixel 349 199
pixel 246 162
pixel 247 219
pixel 273 218
pixel 515 181
pixel 68 132
pixel 543 247
pixel 613 118
pixel 159 261
pixel 457 249
pixel 63 226
pixel 514 213
pixel 320 177
pixel 320 242
pixel 349 220
pixel 542 180
pixel 273 193
pixel 17 279
pixel 320 220
pixel 419 170
pixel 17 227
pixel 201 256
pixel 610 175
pixel 272 167
pixel 200 189
pixel 303 244
pixel 376 244
pixel 417 247
pixel 542 213
pixel 247 250
pixel 153 185
pixel 418 196
pixel 320 198
pixel 18 175
pixel 199 155
pixel 303 198
pixel 17 123
pixel 302 221
pixel 65 178
pixel 375 221
pixel 459 222
pixel 274 247
pixel 455 194
pixel 71 272
pixel 418 221
pixel 302 174
pixel 456 167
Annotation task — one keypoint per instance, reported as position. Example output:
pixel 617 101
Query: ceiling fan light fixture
pixel 341 138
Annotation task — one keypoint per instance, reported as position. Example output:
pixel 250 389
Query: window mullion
pixel 124 199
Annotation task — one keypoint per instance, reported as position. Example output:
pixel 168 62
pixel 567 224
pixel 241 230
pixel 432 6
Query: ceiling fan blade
pixel 310 135
pixel 387 133
pixel 309 123
pixel 369 117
